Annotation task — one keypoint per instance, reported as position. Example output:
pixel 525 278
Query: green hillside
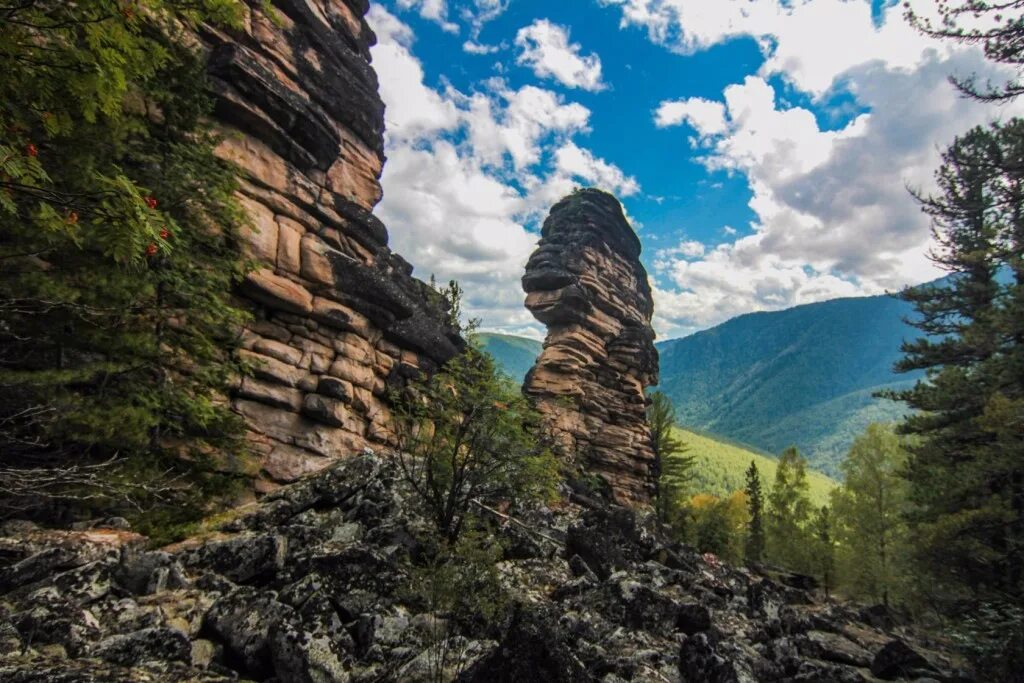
pixel 721 467
pixel 803 376
pixel 514 355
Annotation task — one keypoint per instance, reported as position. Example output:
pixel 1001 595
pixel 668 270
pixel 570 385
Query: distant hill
pixel 721 467
pixel 803 376
pixel 514 355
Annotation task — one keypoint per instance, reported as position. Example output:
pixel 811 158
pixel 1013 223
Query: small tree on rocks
pixel 468 435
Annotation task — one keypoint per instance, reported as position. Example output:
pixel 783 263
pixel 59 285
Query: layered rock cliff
pixel 338 318
pixel 586 283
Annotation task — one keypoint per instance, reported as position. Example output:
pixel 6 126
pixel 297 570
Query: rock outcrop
pixel 586 283
pixel 338 318
pixel 315 584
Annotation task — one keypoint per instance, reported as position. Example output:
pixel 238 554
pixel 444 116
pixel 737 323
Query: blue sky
pixel 761 148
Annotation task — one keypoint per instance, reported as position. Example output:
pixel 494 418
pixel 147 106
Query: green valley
pixel 720 467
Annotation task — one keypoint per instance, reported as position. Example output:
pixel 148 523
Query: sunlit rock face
pixel 585 282
pixel 338 318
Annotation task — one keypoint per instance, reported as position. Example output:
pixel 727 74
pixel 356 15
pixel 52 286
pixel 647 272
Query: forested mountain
pixel 804 376
pixel 515 355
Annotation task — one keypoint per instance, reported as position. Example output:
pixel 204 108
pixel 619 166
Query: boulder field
pixel 311 584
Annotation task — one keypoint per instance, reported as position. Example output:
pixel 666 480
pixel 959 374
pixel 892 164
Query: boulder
pixel 243 621
pixel 898 660
pixel 693 617
pixel 533 648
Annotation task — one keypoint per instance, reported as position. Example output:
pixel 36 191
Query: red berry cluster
pixel 31 150
pixel 151 249
pixel 151 202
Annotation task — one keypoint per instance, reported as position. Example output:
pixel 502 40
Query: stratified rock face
pixel 586 283
pixel 338 319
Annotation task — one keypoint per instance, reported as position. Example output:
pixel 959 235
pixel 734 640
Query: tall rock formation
pixel 338 318
pixel 586 283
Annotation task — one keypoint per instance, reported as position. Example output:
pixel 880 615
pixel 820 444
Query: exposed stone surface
pixel 311 584
pixel 297 102
pixel 586 283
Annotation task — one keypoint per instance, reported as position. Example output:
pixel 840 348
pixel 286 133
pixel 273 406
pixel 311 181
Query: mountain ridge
pixel 803 376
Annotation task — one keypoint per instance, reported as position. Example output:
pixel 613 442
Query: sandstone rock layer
pixel 586 283
pixel 338 318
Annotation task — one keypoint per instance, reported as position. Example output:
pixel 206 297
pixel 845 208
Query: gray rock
pixel 241 558
pixel 162 644
pixel 242 621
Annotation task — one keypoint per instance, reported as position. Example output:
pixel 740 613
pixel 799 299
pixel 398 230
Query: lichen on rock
pixel 586 283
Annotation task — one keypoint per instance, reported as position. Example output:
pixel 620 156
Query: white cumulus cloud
pixel 706 117
pixel 545 48
pixel 469 175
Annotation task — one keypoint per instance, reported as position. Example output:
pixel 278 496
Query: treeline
pixel 856 541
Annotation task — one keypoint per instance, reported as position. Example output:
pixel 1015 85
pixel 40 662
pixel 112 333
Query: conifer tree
pixel 966 472
pixel 823 559
pixel 755 539
pixel 673 468
pixel 789 511
pixel 117 248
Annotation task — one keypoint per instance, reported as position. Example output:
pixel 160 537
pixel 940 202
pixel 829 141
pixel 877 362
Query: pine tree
pixel 966 472
pixel 995 27
pixel 824 547
pixel 755 539
pixel 789 511
pixel 869 511
pixel 673 469
pixel 118 250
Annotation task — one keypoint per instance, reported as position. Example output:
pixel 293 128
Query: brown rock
pixel 277 292
pixel 275 395
pixel 278 350
pixel 261 233
pixel 586 283
pixel 289 253
pixel 315 264
pixel 356 373
pixel 268 368
pixel 288 463
pixel 329 411
pixel 298 110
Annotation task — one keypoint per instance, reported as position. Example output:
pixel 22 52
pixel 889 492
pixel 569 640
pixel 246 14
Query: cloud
pixel 470 175
pixel 574 162
pixel 809 42
pixel 482 12
pixel 834 217
pixel 832 214
pixel 433 10
pixel 707 117
pixel 475 48
pixel 545 48
pixel 685 249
